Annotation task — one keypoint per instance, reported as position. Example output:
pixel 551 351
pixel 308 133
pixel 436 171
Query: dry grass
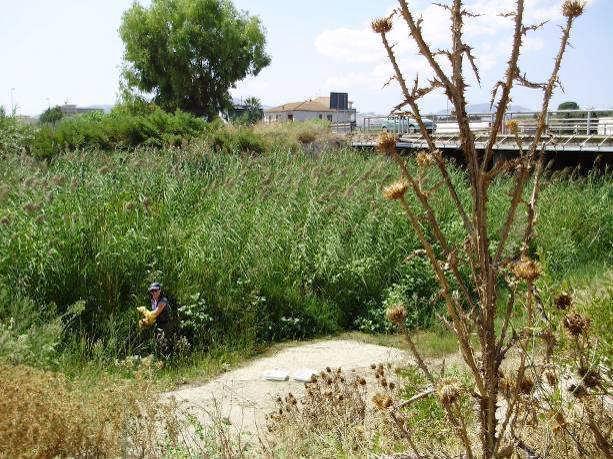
pixel 46 415
pixel 314 136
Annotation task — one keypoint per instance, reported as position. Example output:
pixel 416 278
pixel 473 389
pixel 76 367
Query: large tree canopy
pixel 187 54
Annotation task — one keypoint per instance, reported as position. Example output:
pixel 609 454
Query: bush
pixel 124 128
pixel 235 139
pixel 300 135
pixel 51 115
pixel 15 136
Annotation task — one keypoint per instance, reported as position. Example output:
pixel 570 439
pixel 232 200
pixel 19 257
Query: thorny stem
pixel 456 316
pixel 440 163
pixel 485 268
pixel 541 126
pixel 431 218
pixel 425 134
pixel 424 49
pixel 507 85
pixel 420 361
pixel 531 211
pixel 405 432
pixel 507 319
pixel 460 429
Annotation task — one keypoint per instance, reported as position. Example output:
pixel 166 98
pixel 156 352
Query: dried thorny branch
pixel 523 81
pixel 493 267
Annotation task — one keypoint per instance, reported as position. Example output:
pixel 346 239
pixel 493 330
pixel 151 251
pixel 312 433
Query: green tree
pixel 186 54
pixel 253 112
pixel 568 106
pixel 52 115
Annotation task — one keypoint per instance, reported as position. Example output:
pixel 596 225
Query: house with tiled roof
pixel 336 109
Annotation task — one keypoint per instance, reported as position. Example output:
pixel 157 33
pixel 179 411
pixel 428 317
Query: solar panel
pixel 339 100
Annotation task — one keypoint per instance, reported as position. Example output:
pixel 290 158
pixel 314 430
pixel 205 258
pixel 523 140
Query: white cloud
pixel 349 45
pixel 489 33
pixel 363 65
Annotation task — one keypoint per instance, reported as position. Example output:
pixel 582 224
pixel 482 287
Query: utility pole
pixel 13 101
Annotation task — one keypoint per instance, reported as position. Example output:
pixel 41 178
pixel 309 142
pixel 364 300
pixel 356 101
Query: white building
pixel 335 109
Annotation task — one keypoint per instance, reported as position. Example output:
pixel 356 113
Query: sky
pixel 70 51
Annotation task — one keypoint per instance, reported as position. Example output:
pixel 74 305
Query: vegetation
pixel 255 248
pixel 568 106
pixel 122 129
pixel 51 116
pixel 187 54
pixel 269 233
pixel 46 415
pixel 15 136
pixel 254 111
pixel 285 243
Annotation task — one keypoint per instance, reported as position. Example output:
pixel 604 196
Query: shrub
pixel 300 134
pixel 124 128
pixel 15 136
pixel 235 139
pixel 51 115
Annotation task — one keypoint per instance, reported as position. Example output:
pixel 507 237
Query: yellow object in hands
pixel 148 318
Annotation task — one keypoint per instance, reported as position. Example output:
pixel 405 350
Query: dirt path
pixel 243 396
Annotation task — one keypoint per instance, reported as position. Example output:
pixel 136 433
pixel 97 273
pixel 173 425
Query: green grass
pixel 264 248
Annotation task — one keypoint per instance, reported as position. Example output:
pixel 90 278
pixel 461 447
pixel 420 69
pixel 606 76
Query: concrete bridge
pixel 570 134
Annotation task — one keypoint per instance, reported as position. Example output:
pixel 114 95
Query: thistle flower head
pixel 382 401
pixel 387 143
pixel 552 379
pixel 526 269
pixel 513 127
pixel 396 190
pixel 424 159
pixel 573 8
pixel 448 392
pixel 525 385
pixel 396 314
pixel 590 376
pixel 576 324
pixel 381 25
pixel 563 301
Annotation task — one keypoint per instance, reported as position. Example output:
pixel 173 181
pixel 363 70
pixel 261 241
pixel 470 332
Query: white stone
pixel 303 375
pixel 276 375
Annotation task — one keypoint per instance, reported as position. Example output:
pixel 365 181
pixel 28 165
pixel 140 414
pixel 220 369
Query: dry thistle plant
pixel 334 404
pixel 339 411
pixel 511 406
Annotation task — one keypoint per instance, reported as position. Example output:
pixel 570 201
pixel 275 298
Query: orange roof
pixel 315 105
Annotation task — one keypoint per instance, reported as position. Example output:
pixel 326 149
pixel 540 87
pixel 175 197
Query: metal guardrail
pixel 567 122
pixel 571 130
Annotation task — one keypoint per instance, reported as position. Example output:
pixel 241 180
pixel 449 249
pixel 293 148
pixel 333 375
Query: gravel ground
pixel 243 396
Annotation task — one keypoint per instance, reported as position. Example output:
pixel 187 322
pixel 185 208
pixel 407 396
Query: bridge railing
pixel 564 123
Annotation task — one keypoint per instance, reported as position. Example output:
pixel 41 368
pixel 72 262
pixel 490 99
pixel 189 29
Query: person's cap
pixel 155 286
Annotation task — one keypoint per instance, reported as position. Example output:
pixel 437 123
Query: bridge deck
pixel 594 144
